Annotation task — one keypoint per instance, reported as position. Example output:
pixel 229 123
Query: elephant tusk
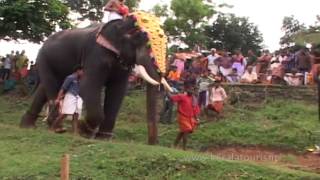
pixel 141 71
pixel 166 85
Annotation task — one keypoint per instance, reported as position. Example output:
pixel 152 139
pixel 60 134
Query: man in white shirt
pixel 217 97
pixel 249 76
pixel 212 65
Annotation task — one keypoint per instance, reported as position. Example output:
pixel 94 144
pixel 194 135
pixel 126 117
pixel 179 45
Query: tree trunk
pixel 152 114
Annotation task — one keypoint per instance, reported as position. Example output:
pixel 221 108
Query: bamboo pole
pixel 65 167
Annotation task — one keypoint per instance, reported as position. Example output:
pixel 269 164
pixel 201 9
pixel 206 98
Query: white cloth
pixel 110 16
pixel 217 94
pixel 7 63
pixel 214 69
pixel 294 80
pixel 225 72
pixel 249 77
pixel 71 104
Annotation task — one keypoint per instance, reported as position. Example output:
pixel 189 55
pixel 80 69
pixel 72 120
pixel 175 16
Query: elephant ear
pixel 139 39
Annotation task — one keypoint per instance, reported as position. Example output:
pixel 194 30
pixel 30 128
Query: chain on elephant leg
pixel 86 131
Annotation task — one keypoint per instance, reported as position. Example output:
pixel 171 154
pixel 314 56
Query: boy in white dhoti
pixel 69 101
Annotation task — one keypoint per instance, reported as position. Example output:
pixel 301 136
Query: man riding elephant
pixel 107 53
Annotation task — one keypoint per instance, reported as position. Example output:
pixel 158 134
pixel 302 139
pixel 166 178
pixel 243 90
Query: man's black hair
pixel 77 68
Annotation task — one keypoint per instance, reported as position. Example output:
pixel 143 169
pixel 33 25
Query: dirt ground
pixel 302 161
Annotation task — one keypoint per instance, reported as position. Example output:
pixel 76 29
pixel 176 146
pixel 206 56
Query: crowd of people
pixel 15 67
pixel 205 73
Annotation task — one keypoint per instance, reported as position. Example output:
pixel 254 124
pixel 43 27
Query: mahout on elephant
pixel 107 65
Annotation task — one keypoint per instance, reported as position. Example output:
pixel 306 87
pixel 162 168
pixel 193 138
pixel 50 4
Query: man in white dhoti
pixel 69 101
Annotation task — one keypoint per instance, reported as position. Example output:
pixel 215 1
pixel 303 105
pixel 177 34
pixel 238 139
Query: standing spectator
pixel 252 59
pixel 212 64
pixel 174 76
pixel 225 66
pixel 72 102
pixel 166 113
pixel 238 63
pixel 179 63
pixel 263 62
pixel 203 83
pixel 21 61
pixel 303 61
pixel 188 111
pixel 7 68
pixel 217 97
pixel 32 77
pixel 249 76
pixel 2 59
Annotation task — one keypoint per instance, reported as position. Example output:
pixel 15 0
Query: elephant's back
pixel 64 49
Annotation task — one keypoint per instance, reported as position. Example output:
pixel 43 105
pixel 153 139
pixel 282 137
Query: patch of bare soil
pixel 290 159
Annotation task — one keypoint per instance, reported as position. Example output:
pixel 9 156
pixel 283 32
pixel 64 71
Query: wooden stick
pixel 65 167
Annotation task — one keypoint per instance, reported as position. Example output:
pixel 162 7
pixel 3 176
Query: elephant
pixel 105 67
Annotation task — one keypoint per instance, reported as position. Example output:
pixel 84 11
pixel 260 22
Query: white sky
pixel 267 14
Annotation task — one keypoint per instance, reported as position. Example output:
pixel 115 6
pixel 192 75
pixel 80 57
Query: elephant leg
pixel 52 86
pixel 152 113
pixel 30 117
pixel 114 95
pixel 91 95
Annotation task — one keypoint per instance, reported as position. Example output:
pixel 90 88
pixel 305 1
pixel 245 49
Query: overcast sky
pixel 267 14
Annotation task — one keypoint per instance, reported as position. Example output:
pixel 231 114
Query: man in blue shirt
pixel 69 101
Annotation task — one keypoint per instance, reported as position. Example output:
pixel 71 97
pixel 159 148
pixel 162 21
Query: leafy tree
pixel 233 33
pixel 160 10
pixel 32 20
pixel 93 9
pixel 186 20
pixel 291 28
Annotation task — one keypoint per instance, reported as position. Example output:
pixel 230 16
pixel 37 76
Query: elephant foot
pixel 85 131
pixel 28 121
pixel 104 135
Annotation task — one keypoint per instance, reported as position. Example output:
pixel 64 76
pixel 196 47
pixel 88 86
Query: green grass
pixel 35 154
pixel 280 124
pixel 29 154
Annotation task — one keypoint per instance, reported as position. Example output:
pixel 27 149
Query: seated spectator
pixel 217 97
pixel 249 76
pixel 294 78
pixel 234 76
pixel 277 75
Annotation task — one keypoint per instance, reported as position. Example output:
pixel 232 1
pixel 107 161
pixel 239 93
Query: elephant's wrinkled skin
pixel 63 50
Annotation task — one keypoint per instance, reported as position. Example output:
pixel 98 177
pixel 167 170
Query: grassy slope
pixel 36 154
pixel 28 154
pixel 282 124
